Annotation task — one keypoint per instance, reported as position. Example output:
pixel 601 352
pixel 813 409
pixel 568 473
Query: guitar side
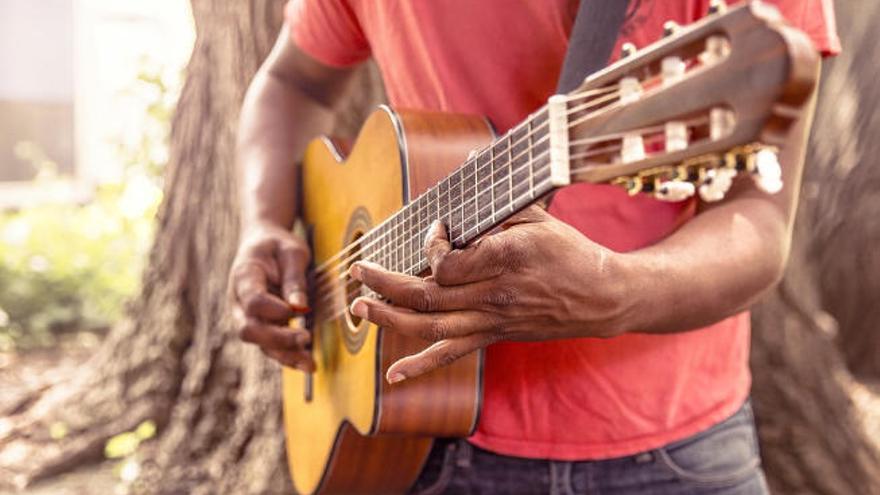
pixel 347 430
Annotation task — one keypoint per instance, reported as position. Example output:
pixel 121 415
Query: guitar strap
pixel 593 36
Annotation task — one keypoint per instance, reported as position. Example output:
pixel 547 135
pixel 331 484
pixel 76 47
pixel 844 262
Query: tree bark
pixel 814 439
pixel 175 359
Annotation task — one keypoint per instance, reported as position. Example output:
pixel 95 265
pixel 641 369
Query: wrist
pixel 621 284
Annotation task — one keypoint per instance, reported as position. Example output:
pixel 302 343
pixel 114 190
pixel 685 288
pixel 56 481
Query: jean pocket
pixel 441 475
pixel 724 454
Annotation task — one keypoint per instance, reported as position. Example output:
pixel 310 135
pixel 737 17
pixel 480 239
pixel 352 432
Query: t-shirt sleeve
pixel 814 17
pixel 327 30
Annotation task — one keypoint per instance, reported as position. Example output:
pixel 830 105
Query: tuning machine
pixel 766 171
pixel 715 183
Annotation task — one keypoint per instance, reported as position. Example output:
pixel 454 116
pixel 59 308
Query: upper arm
pixel 291 65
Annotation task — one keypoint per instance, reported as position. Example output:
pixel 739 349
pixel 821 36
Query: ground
pixel 21 372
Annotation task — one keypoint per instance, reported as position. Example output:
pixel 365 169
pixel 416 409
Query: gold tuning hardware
pixel 627 49
pixel 709 175
pixel 717 7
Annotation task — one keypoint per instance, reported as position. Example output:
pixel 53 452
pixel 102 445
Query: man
pixel 616 332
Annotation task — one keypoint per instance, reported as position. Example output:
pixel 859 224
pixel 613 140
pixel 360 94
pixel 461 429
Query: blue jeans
pixel 721 460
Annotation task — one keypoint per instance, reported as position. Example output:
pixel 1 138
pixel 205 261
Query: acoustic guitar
pixel 686 116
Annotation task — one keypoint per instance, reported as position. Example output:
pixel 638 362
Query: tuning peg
pixel 767 173
pixel 717 7
pixel 670 28
pixel 716 183
pixel 627 50
pixel 673 190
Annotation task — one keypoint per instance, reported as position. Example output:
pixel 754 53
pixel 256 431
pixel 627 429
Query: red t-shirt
pixel 559 399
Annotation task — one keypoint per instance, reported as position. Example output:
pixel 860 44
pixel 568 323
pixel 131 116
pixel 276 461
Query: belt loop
pixel 464 455
pixel 560 478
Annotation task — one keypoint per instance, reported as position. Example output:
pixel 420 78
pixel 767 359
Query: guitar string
pixel 492 182
pixel 326 264
pixel 340 273
pixel 342 290
pixel 411 267
pixel 528 135
pixel 574 156
pixel 323 275
pixel 569 98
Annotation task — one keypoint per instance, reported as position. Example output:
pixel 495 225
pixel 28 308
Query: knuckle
pixel 445 270
pixel 444 358
pixel 247 333
pixel 423 298
pixel 501 298
pixel 381 317
pixel 295 250
pixel 437 329
pixel 253 305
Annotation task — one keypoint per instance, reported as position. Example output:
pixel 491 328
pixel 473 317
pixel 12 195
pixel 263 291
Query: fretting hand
pixel 537 279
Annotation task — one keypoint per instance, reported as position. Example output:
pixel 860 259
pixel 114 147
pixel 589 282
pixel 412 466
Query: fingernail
pixel 395 378
pixel 359 308
pixel 297 301
pixel 354 271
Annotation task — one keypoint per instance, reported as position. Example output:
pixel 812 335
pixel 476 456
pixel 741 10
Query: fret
pixel 382 257
pixel 407 239
pixel 541 151
pixel 510 145
pixel 398 246
pixel 443 203
pixel 484 177
pixel 453 204
pixel 415 238
pixel 499 178
pixel 520 173
pixel 401 241
pixel 531 159
pixel 369 249
pixel 469 194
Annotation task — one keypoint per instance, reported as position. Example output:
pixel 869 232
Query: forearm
pixel 290 101
pixel 277 121
pixel 722 260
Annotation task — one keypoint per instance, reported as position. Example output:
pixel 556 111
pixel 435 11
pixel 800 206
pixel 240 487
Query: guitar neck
pixel 491 185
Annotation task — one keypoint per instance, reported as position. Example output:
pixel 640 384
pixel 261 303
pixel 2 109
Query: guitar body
pixel 347 429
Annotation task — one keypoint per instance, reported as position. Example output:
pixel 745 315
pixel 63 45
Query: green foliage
pixel 68 266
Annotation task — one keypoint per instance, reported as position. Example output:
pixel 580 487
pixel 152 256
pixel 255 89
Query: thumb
pixel 293 260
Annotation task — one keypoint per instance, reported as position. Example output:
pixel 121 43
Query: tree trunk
pixel 813 438
pixel 216 402
pixel 175 359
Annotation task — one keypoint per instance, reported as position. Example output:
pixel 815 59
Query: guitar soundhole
pixel 354 332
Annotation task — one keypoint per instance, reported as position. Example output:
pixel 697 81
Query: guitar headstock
pixel 707 102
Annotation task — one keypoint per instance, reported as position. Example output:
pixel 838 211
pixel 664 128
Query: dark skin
pixel 536 279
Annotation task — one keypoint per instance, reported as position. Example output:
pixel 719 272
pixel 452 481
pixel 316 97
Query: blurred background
pixel 119 372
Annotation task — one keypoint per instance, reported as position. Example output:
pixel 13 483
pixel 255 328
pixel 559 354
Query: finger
pixel 253 296
pixel 426 326
pixel 419 294
pixel 294 260
pixel 438 355
pixel 486 259
pixel 274 337
pixel 437 244
pixel 301 360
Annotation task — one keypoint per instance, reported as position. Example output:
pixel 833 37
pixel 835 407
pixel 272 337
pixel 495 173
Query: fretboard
pixel 491 185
